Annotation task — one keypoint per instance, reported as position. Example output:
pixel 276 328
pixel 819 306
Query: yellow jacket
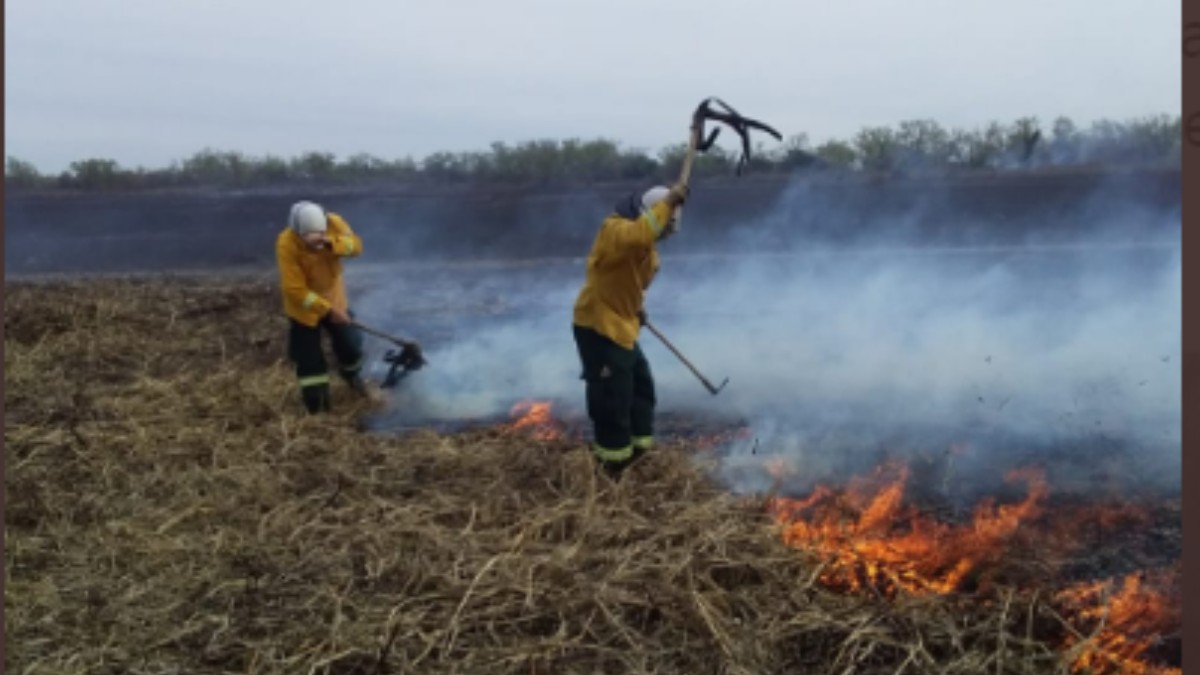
pixel 311 281
pixel 620 267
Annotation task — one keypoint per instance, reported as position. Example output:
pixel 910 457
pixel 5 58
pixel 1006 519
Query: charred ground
pixel 193 230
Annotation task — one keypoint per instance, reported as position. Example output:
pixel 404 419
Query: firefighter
pixel 309 254
pixel 608 317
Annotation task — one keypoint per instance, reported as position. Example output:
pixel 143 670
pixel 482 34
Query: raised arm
pixel 342 240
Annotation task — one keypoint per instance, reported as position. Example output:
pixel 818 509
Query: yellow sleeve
pixel 623 236
pixel 342 240
pixel 293 283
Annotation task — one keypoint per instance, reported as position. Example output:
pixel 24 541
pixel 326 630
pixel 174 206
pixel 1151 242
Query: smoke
pixel 1033 348
pixel 1055 349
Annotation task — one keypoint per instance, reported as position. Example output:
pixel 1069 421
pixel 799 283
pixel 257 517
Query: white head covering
pixel 307 217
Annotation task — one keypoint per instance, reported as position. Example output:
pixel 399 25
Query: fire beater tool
pixel 408 359
pixel 698 142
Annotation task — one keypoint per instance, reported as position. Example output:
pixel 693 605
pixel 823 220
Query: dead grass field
pixel 169 509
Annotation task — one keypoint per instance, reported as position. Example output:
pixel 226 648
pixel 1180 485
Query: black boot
pixel 614 469
pixel 316 398
pixel 357 385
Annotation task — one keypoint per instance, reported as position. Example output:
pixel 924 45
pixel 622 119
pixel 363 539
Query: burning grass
pixel 169 509
pixel 875 541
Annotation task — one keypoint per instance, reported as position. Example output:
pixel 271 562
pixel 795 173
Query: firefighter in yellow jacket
pixel 608 316
pixel 309 254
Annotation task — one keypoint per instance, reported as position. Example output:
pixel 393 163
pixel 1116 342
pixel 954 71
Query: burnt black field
pixel 114 233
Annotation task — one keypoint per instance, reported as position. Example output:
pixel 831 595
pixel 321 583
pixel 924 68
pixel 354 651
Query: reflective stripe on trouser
pixel 314 381
pixel 643 442
pixel 347 347
pixel 619 391
pixel 612 455
pixel 304 350
pixel 351 371
pixel 314 391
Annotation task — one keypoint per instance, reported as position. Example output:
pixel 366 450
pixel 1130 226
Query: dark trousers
pixel 304 350
pixel 620 396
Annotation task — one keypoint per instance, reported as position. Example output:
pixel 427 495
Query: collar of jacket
pixel 630 206
pixel 301 244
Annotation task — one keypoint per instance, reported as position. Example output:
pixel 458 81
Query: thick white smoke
pixel 835 354
pixel 1039 347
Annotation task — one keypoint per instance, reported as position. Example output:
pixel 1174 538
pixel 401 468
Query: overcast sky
pixel 147 82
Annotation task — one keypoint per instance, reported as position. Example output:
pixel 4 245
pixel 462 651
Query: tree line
pixel 912 146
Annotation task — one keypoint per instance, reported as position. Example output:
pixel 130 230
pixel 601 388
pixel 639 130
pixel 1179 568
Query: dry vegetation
pixel 169 509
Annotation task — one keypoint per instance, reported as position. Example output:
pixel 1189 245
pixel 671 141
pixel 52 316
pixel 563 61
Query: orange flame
pixel 860 531
pixel 872 541
pixel 534 418
pixel 1120 628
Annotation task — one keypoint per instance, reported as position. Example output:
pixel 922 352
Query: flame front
pixel 534 418
pixel 1119 627
pixel 871 540
pixel 860 531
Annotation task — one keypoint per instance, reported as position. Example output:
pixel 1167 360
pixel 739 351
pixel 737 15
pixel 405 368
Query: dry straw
pixel 170 510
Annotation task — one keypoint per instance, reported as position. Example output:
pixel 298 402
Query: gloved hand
pixel 678 194
pixel 338 316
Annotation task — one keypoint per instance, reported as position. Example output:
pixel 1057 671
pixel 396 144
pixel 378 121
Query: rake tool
pixel 703 380
pixel 408 359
